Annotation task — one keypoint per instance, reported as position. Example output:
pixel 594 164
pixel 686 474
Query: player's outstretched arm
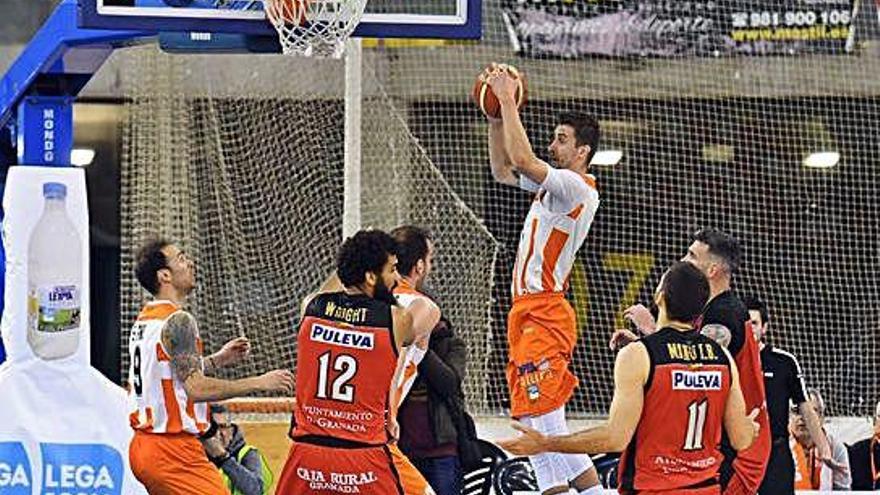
pixel 630 375
pixel 231 353
pixel 502 168
pixel 741 429
pixel 516 141
pixel 179 340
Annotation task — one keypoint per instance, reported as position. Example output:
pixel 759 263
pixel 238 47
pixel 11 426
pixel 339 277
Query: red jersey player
pixel 347 353
pixel 674 392
pixel 725 319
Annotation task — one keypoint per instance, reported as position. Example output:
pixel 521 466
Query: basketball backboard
pixel 448 19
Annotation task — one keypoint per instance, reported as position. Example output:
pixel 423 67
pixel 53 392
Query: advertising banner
pixel 687 28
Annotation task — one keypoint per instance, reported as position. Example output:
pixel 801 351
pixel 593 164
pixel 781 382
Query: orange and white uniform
pixel 165 453
pixel 413 354
pixel 541 326
pixel 411 479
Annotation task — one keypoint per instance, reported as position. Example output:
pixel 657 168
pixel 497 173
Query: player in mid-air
pixel 541 325
pixel 348 345
pixel 674 392
pixel 168 382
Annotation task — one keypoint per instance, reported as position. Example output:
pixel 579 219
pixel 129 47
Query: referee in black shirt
pixel 783 382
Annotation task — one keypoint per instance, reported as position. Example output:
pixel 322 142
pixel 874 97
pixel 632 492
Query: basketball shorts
pixel 173 464
pixel 541 334
pixel 319 470
pixel 709 490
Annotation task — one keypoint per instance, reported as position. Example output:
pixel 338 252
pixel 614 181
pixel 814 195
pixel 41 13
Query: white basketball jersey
pixel 162 403
pixel 551 238
pixel 413 355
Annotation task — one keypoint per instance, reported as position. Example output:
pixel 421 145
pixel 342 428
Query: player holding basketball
pixel 727 320
pixel 348 346
pixel 168 382
pixel 674 392
pixel 541 324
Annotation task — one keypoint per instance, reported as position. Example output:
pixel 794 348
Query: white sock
pixel 553 469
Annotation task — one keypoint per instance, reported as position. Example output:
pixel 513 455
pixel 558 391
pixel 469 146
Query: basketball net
pixel 314 28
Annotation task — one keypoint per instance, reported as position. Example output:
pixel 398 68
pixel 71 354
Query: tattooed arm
pixel 179 339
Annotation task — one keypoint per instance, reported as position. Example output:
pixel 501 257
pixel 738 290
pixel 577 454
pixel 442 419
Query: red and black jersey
pixel 727 310
pixel 676 444
pixel 346 357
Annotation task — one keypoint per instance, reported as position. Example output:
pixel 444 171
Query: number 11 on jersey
pixel 696 421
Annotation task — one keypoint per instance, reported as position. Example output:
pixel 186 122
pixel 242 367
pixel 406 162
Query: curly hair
pixel 366 251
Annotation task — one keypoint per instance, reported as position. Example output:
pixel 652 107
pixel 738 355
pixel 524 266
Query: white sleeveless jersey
pixel 412 355
pixel 161 400
pixel 551 238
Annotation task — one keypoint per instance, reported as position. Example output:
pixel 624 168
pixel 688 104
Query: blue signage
pixel 81 468
pixel 15 469
pixel 45 131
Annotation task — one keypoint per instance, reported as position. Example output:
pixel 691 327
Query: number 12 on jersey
pixel 696 422
pixel 340 389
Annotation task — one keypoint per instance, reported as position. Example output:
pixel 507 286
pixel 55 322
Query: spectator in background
pixel 431 411
pixel 244 469
pixel 784 384
pixel 810 472
pixel 864 459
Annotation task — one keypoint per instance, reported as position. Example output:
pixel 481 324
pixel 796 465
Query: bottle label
pixel 55 308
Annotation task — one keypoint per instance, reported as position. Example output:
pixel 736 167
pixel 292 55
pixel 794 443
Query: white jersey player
pixel 541 325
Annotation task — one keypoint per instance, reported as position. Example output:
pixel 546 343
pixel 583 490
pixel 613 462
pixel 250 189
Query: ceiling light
pixel 607 158
pixel 82 157
pixel 822 159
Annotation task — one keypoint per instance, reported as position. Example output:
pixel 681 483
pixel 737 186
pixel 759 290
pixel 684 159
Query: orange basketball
pixel 486 99
pixel 291 12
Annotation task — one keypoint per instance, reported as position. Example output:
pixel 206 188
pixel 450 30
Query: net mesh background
pixel 247 175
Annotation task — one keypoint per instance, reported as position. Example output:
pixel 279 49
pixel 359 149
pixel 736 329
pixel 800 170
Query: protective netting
pixel 245 167
pixel 252 187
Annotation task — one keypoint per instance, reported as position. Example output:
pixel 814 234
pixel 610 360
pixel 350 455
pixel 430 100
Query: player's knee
pixel 548 473
pixel 587 482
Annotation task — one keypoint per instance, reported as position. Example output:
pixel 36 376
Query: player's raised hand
pixel 641 317
pixel 621 338
pixel 504 85
pixel 233 352
pixel 492 68
pixel 530 441
pixel 277 381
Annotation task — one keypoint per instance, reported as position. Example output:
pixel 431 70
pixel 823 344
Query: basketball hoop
pixel 314 27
